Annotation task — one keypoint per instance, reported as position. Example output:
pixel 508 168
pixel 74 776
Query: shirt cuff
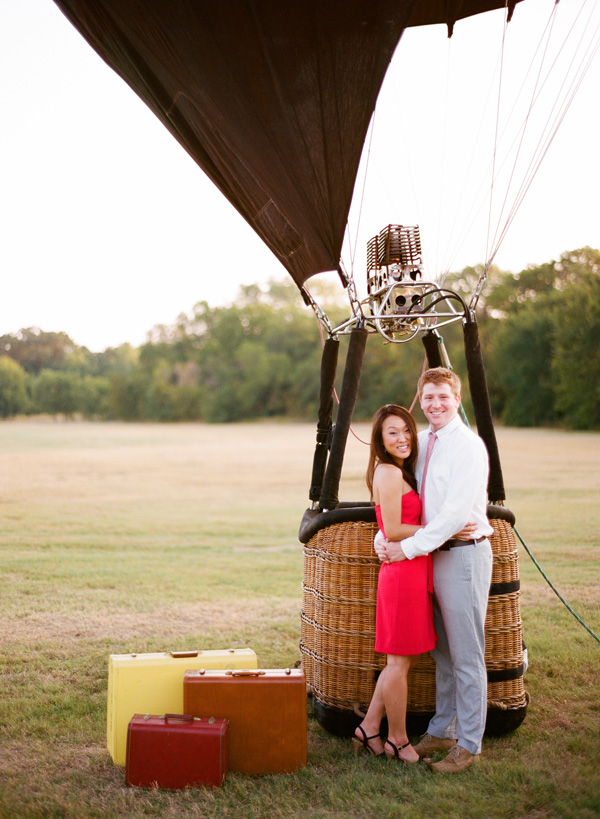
pixel 409 549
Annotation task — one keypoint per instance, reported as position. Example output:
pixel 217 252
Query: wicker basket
pixel 338 624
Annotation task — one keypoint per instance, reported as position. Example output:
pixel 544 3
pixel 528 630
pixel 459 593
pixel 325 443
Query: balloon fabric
pixel 272 100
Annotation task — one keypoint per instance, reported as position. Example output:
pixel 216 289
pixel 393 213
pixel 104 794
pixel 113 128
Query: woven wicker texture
pixel 338 622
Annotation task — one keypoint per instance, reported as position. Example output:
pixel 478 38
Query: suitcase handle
pixel 177 654
pixel 245 672
pixel 181 717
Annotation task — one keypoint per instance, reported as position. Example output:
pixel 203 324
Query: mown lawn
pixel 118 538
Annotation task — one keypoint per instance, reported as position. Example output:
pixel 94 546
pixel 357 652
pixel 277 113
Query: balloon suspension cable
pixel 444 131
pixel 362 200
pixel 556 592
pixel 583 53
pixel 489 254
pixel 472 210
pixel 321 315
pixel 495 149
pixel 355 304
pixel 479 287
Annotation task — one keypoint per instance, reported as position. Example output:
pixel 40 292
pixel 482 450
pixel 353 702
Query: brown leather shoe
pixel 428 744
pixel 457 760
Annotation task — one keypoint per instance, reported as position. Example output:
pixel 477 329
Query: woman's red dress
pixel 404 623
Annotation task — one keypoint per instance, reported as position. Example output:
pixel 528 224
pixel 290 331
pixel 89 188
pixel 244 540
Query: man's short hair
pixel 439 375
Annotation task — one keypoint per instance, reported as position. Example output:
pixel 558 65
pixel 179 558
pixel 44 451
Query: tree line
pixel 260 357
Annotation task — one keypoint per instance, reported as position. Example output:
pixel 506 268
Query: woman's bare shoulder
pixel 387 473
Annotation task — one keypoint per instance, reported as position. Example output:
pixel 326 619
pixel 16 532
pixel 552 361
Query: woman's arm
pixel 388 488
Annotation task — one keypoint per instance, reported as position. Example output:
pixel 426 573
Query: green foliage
pixel 259 357
pixel 242 358
pixel 35 350
pixel 546 343
pixel 523 357
pixel 171 402
pixel 93 396
pixel 56 392
pixel 126 395
pixel 13 388
pixel 571 270
pixel 390 374
pixel 115 361
pixel 576 362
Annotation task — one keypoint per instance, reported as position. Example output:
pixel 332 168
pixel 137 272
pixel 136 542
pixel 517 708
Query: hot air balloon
pixel 273 101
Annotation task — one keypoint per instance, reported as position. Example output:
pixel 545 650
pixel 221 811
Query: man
pixel 453 486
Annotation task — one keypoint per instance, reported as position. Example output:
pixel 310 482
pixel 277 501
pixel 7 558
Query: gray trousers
pixel 461 583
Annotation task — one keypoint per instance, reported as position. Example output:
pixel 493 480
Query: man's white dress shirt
pixel 457 477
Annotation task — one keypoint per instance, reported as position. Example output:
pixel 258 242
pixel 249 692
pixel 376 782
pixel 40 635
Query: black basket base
pixel 343 723
pixel 502 721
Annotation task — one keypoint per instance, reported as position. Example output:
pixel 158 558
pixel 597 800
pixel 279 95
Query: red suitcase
pixel 176 751
pixel 266 710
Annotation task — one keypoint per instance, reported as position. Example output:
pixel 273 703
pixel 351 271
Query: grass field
pixel 119 538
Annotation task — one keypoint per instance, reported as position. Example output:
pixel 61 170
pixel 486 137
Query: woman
pixel 404 626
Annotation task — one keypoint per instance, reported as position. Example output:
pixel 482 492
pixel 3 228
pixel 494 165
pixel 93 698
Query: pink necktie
pixel 430 443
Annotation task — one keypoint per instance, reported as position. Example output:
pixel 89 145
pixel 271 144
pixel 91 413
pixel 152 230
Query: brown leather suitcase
pixel 266 710
pixel 176 751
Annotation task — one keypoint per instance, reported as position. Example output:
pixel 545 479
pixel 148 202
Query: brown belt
pixel 453 542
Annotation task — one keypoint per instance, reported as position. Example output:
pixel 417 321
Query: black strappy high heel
pixel 396 754
pixel 363 744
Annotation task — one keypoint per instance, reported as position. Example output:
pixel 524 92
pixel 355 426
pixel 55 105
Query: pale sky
pixel 109 227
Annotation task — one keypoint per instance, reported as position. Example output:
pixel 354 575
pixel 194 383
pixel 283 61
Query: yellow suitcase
pixel 153 684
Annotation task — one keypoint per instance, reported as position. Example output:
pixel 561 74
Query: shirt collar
pixel 449 427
